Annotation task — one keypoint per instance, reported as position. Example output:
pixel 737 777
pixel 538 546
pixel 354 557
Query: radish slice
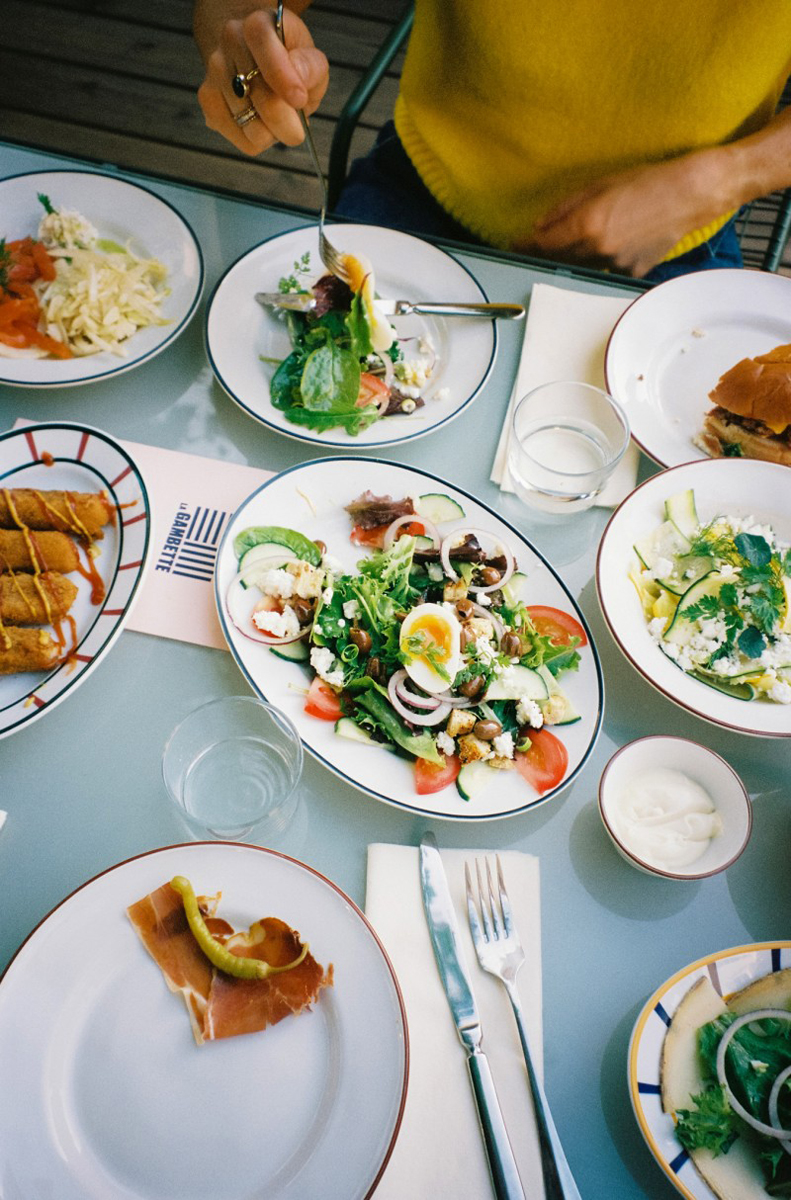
pixel 407 519
pixel 453 540
pixel 781 1014
pixel 240 602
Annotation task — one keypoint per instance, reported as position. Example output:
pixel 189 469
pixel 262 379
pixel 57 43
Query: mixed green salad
pixel 717 598
pixel 428 649
pixel 346 368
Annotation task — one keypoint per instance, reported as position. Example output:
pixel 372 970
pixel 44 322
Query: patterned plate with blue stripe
pixel 728 971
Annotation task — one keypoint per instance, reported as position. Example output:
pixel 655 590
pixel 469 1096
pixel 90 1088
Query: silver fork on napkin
pixel 441 920
pixel 500 953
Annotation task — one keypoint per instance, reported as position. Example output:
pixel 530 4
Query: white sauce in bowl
pixel 664 818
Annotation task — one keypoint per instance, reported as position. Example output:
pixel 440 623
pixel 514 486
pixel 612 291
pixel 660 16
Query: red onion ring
pixel 760 1014
pixel 774 1112
pixel 397 685
pixel 387 363
pixel 438 714
pixel 454 539
pixel 242 616
pixel 407 519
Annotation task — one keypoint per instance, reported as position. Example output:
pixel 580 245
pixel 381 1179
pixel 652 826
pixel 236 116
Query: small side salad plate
pixel 60 455
pixel 728 971
pixel 447 361
pixel 405 758
pixel 670 347
pixel 704 616
pixel 130 216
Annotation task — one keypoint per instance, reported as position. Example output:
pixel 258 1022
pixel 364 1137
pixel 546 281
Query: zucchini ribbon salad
pixel 69 293
pixel 347 368
pixel 428 649
pixel 717 597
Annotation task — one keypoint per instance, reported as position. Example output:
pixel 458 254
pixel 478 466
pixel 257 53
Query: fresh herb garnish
pixel 47 203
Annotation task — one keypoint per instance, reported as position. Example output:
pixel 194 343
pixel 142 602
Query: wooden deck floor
pixel 115 81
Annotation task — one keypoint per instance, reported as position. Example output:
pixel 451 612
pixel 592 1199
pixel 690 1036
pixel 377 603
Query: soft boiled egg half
pixel 361 280
pixel 430 642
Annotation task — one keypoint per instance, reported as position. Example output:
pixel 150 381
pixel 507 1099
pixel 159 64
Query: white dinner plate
pixel 239 332
pixel 670 347
pixel 125 213
pixel 63 455
pixel 112 1098
pixel 729 971
pixel 311 498
pixel 722 486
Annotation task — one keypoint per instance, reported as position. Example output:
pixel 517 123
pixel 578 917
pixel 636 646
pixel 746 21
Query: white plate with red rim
pixel 128 214
pixel 670 347
pixel 311 499
pixel 112 1098
pixel 729 971
pixel 60 455
pixel 239 331
pixel 723 487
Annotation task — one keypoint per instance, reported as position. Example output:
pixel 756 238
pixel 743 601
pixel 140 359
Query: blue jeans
pixel 385 189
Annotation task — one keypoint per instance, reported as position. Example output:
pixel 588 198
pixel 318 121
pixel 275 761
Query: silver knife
pixel 456 981
pixel 306 302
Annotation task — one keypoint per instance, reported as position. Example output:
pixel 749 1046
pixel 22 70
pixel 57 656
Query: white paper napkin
pixel 566 336
pixel 439 1154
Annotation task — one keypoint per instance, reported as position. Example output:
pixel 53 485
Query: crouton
pixel 472 748
pixel 460 722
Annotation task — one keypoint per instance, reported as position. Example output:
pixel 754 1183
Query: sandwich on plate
pixel 752 413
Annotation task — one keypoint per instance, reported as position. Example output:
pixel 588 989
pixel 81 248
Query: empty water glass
pixel 567 438
pixel 232 768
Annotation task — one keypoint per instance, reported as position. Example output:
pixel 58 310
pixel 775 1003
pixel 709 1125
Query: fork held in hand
pixel 331 258
pixel 500 953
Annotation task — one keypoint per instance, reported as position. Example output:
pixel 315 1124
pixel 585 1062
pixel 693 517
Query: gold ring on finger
pixel 240 84
pixel 244 118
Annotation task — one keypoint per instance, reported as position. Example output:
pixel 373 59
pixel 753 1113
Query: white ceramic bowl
pixel 703 766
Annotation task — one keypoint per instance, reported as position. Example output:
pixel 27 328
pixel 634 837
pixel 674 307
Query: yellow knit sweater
pixel 508 106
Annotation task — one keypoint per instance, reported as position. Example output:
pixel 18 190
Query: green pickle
pixel 217 954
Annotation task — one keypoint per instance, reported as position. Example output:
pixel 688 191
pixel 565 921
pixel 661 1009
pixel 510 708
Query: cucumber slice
pixel 739 691
pixel 680 509
pixel 423 543
pixel 516 589
pixel 258 535
pixel 473 778
pixel 680 630
pixel 687 569
pixel 562 710
pixel 436 507
pixel 345 727
pixel 298 651
pixel 663 542
pixel 516 682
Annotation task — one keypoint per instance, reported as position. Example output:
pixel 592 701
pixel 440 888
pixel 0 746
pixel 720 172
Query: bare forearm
pixel 761 162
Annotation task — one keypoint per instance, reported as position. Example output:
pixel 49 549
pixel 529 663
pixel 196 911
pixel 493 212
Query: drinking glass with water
pixel 232 768
pixel 567 439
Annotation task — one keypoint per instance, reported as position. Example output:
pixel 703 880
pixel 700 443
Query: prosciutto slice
pixel 221 1005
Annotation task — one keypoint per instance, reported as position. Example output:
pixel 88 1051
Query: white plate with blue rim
pixel 112 1098
pixel 61 455
pixel 246 342
pixel 729 971
pixel 313 495
pixel 122 212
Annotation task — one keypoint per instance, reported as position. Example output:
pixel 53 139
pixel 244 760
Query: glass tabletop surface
pixel 83 789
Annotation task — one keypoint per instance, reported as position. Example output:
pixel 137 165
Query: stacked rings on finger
pixel 244 118
pixel 240 84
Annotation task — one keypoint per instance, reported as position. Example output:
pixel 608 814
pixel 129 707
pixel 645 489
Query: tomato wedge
pixel 321 701
pixel 432 778
pixel 373 390
pixel 555 624
pixel 375 536
pixel 545 763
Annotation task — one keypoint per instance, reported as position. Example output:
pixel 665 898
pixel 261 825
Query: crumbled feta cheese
pixel 435 572
pixel 444 743
pixel 781 692
pixel 322 659
pixel 485 651
pixel 504 745
pixel 484 600
pixel 326 595
pixel 341 623
pixel 351 609
pixel 528 713
pixel 442 393
pixel 425 344
pixel 656 627
pixel 277 582
pixel 277 624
